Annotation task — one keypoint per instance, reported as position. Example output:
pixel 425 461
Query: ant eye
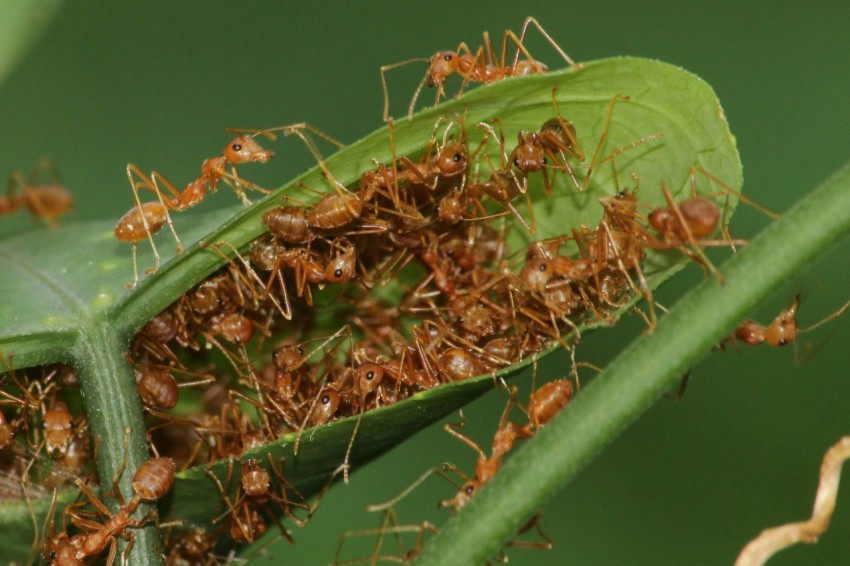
pixel 237 147
pixel 458 157
pixel 338 273
pixel 543 267
pixel 300 350
pixel 370 375
pixel 516 161
pixel 469 489
pixel 326 399
pixel 447 57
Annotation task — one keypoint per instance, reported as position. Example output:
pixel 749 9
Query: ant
pixel 254 492
pixel 555 140
pixel 686 224
pixel 159 389
pixel 47 201
pixel 482 67
pixel 783 330
pixel 144 220
pixel 152 481
pixel 544 404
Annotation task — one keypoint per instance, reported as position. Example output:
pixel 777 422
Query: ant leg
pixel 466 440
pixel 416 93
pixel 552 42
pixel 386 68
pixel 602 137
pixel 729 190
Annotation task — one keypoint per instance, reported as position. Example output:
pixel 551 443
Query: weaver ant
pixel 481 67
pixel 254 492
pixel 152 481
pixel 783 330
pixel 47 201
pixel 554 141
pixel 144 220
pixel 545 403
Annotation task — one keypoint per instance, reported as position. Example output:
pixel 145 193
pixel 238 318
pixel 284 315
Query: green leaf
pixel 69 301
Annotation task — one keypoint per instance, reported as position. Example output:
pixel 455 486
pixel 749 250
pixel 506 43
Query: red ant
pixel 545 403
pixel 482 67
pixel 152 480
pixel 48 201
pixel 144 220
pixel 554 141
pixel 783 330
pixel 686 224
pixel 254 492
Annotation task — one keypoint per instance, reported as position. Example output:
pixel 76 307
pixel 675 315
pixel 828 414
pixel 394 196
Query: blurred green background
pixel 155 83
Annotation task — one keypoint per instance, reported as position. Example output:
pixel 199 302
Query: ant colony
pixel 296 330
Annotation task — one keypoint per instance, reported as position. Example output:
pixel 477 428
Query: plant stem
pixel 113 407
pixel 634 381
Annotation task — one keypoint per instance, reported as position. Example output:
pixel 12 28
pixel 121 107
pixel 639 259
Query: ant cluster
pixel 433 228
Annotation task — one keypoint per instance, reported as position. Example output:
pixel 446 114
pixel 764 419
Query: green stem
pixel 634 381
pixel 113 407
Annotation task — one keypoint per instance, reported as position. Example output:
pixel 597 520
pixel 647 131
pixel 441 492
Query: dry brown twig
pixel 771 541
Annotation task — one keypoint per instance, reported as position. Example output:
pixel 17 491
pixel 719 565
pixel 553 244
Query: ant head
pixel 536 273
pixel 453 159
pixel 326 406
pixel 623 204
pixel 443 64
pixel 529 155
pixel 58 550
pixel 288 357
pixel 463 496
pixel 244 149
pixel 783 330
pixel 450 209
pixel 367 377
pixel 341 269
